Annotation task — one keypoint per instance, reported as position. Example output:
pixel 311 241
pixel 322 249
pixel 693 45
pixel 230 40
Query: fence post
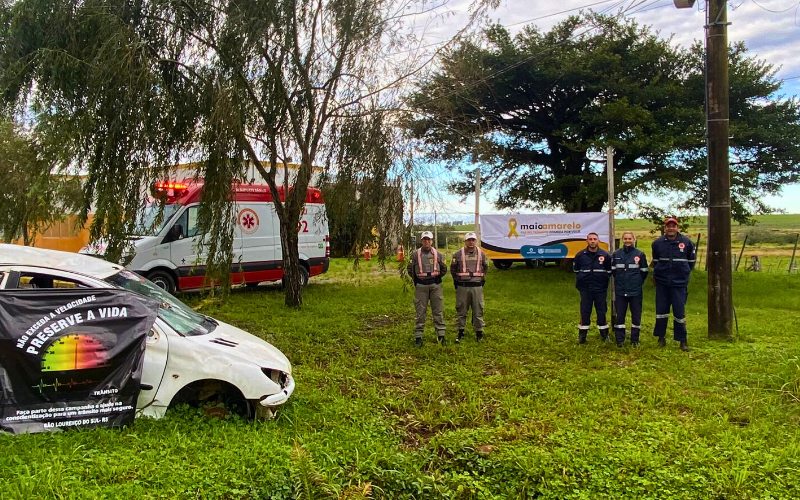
pixel 697 249
pixel 791 263
pixel 739 260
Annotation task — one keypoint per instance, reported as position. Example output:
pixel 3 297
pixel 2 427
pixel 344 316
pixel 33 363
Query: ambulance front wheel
pixel 162 279
pixel 502 264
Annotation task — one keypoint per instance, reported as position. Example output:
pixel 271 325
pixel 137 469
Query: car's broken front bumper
pixel 280 397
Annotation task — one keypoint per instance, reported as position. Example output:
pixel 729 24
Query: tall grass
pixel 526 414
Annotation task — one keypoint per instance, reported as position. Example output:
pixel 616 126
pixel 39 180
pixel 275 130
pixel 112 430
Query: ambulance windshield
pixel 172 311
pixel 146 225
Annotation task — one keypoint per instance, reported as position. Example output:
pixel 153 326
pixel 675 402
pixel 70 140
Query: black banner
pixel 71 358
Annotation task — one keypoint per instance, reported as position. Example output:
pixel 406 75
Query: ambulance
pixel 167 253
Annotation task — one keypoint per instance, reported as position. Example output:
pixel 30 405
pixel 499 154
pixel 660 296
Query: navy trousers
pixel 622 304
pixel 671 297
pixel 598 301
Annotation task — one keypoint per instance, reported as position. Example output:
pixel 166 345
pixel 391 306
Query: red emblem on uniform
pixel 636 259
pixel 681 246
pixel 601 259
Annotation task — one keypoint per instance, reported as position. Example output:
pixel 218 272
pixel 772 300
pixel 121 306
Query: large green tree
pixel 130 87
pixel 538 110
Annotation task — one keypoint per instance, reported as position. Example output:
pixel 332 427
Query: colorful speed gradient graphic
pixel 74 352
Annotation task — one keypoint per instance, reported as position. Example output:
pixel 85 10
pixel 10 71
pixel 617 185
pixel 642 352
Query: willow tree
pixel 33 197
pixel 130 87
pixel 363 196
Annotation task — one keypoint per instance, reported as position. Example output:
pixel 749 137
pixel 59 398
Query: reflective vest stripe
pixel 478 269
pixel 435 263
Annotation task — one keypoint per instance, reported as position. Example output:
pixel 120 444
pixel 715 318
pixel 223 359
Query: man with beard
pixel 592 266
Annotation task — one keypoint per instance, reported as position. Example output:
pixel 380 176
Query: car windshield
pixel 146 225
pixel 172 311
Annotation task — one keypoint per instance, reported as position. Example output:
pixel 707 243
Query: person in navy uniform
pixel 673 260
pixel 592 267
pixel 629 271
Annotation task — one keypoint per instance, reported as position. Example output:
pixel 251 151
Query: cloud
pixel 773 37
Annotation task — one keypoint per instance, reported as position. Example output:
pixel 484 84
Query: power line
pixel 534 56
pixel 652 6
pixel 777 11
pixel 618 2
pixel 557 13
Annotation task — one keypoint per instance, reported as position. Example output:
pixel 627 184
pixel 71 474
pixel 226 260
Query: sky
pixel 769 28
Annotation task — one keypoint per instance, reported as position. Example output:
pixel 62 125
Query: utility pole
pixel 435 231
pixel 720 282
pixel 478 204
pixel 611 228
pixel 611 214
pixel 411 220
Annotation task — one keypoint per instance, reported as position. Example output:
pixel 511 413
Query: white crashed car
pixel 190 358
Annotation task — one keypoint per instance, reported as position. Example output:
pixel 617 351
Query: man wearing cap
pixel 469 270
pixel 629 271
pixel 426 268
pixel 673 261
pixel 592 267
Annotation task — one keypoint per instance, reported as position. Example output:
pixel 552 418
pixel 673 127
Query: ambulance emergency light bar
pixel 162 186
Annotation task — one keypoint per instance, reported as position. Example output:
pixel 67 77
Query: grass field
pixel 526 414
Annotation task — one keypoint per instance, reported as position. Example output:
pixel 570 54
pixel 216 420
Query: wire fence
pixel 757 258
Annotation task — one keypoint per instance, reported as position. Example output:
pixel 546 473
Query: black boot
pixel 662 342
pixel 582 337
pixel 478 336
pixel 685 346
pixel 418 341
pixel 442 340
pixel 460 336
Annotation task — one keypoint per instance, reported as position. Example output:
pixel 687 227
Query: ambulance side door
pixel 255 222
pixel 311 231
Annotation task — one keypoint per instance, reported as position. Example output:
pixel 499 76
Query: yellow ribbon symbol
pixel 512 226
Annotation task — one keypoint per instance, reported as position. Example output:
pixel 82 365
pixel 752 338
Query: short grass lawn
pixel 526 414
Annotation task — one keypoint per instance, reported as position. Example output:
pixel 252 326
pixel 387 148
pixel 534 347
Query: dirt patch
pixel 684 411
pixel 485 449
pixel 490 369
pixel 402 378
pixel 381 322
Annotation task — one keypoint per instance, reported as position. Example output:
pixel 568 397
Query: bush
pixel 757 235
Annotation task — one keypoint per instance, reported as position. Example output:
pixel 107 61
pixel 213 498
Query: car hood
pixel 232 341
pixel 98 248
